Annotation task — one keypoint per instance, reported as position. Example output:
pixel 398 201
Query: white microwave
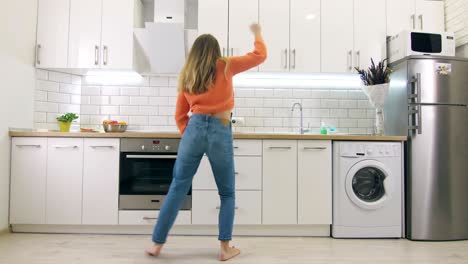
pixel 409 43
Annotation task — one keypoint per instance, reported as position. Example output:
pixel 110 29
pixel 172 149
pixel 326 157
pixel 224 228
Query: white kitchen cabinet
pixel 85 34
pixel 213 19
pixel 424 15
pixel 369 32
pixel 274 18
pixel 206 205
pixel 52 33
pixel 314 182
pixel 248 173
pixel 337 34
pixel 101 181
pixel 28 180
pixel 279 182
pixel 242 13
pixel 64 181
pixel 101 34
pixel 305 36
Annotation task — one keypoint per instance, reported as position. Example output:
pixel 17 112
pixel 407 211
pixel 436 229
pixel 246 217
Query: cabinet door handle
pixel 350 60
pixel 285 58
pixel 106 55
pixel 32 146
pixel 413 21
pixel 358 58
pixel 421 21
pixel 235 147
pixel 236 173
pixel 232 52
pixel 149 218
pixel 293 59
pixel 315 148
pixel 94 147
pixel 38 52
pixel 219 207
pixel 224 52
pixel 65 146
pixel 279 147
pixel 96 55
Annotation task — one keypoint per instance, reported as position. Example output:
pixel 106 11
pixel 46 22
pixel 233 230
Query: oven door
pixel 145 179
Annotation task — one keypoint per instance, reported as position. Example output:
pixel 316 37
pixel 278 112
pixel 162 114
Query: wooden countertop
pixel 236 136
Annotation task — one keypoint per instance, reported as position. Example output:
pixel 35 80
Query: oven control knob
pixel 167 148
pixel 142 147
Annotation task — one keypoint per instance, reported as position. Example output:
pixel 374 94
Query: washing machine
pixel 367 189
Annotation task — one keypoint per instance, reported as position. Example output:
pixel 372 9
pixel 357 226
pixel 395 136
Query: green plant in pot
pixel 65 121
pixel 376 81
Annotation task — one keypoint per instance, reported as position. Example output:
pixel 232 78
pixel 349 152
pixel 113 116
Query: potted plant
pixel 65 121
pixel 376 82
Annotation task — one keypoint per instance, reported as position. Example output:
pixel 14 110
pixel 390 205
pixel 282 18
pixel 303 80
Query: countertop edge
pixel 236 136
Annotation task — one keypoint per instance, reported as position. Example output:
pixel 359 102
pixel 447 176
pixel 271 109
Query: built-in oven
pixel 146 171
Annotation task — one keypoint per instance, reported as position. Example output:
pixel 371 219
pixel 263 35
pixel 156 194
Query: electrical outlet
pixel 237 121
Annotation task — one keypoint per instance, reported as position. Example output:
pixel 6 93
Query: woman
pixel 205 89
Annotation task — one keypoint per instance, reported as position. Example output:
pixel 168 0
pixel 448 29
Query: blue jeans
pixel 204 134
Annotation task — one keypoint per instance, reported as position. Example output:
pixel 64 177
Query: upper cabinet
pixel 85 34
pixel 291 30
pixel 206 16
pixel 242 13
pixel 352 33
pixel 418 15
pixel 52 33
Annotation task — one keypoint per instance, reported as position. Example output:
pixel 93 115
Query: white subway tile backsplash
pixel 270 102
pixel 254 102
pixel 302 93
pixel 90 90
pixel 338 94
pixel 149 91
pixel 110 90
pixel 70 88
pixel 99 100
pixel 60 77
pixel 281 112
pixel 167 91
pixel 311 103
pixel 264 93
pixel 284 93
pixel 158 120
pixel 358 131
pixel 159 81
pixel 138 120
pixel 263 112
pixel 42 74
pixel 139 100
pixel 110 110
pixel 129 110
pixel 120 100
pixel 254 121
pixel 370 113
pixel 348 104
pixel 85 100
pixel 47 86
pixel 148 110
pixel 52 117
pixel 123 118
pixel 159 101
pixel 365 122
pixel 173 81
pixel 364 104
pixel 76 79
pixel 40 117
pixel 311 122
pixel 130 91
pixel 348 123
pixel 58 97
pixel 356 94
pixel 90 109
pixel 166 110
pixel 338 113
pixel 75 99
pixel 244 92
pixel 357 113
pixel 273 122
pixel 320 94
pixel 172 101
pixel 40 96
pixel 69 108
pixel 329 103
pixel 243 112
pixel 317 113
pixel 97 119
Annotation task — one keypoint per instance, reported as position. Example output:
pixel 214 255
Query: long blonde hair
pixel 199 71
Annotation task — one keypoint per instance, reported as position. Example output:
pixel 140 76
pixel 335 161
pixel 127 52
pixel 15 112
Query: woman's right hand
pixel 256 29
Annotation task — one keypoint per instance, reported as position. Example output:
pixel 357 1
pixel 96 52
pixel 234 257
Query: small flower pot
pixel 64 126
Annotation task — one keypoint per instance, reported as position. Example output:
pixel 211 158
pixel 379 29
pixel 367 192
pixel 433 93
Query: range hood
pixel 166 41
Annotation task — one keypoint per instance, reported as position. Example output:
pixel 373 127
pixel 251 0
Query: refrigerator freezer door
pixel 443 81
pixel 437 179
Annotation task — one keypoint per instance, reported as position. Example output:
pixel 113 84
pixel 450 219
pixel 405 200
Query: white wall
pixel 17 39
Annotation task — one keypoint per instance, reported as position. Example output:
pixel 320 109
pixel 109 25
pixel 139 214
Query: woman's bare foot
pixel 227 252
pixel 155 250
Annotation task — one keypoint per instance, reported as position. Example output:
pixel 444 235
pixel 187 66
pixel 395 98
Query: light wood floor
pixel 104 249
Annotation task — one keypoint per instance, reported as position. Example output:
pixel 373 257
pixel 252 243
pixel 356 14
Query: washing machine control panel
pixel 370 149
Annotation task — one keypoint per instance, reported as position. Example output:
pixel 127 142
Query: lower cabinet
pixel 64 181
pixel 150 217
pixel 101 181
pixel 206 205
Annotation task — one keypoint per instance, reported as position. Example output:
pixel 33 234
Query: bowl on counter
pixel 113 128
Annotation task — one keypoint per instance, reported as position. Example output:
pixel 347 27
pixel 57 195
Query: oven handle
pixel 151 156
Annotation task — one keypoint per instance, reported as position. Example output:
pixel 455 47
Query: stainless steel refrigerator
pixel 428 102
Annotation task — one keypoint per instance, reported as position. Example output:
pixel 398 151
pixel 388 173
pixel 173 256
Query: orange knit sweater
pixel 220 96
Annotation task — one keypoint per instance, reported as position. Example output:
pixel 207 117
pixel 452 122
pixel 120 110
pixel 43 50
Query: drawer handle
pixel 315 148
pixel 94 147
pixel 236 173
pixel 280 147
pixel 219 207
pixel 236 147
pixel 149 218
pixel 32 146
pixel 65 146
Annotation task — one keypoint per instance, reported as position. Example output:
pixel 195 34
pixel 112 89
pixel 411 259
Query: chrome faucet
pixel 301 130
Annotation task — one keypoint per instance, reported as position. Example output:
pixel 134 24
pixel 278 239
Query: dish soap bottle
pixel 323 128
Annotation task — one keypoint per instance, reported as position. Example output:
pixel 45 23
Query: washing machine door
pixel 369 184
